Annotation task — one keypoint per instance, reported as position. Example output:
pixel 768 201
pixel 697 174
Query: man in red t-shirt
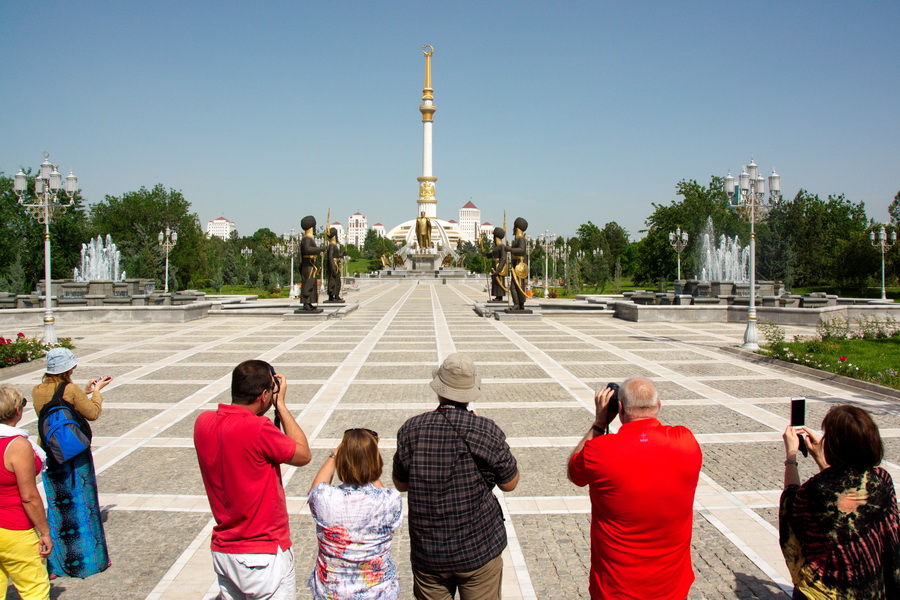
pixel 642 482
pixel 240 452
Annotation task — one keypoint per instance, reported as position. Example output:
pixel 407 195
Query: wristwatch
pixel 598 429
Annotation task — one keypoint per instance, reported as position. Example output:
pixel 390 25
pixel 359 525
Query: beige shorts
pixel 256 576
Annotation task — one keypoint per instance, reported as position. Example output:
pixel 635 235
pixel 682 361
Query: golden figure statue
pixel 385 262
pixel 448 260
pixel 423 232
pixel 499 266
pixel 519 265
pixel 309 289
pixel 398 261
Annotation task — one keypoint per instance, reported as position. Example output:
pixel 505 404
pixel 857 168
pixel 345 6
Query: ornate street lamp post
pixel 752 203
pixel 47 185
pixel 287 247
pixel 678 239
pixel 884 245
pixel 167 240
pixel 546 240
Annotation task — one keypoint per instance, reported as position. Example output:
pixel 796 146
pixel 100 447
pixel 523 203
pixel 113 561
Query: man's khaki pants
pixel 481 584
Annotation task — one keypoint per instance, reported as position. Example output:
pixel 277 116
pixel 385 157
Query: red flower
pixel 2 341
pixel 843 359
pixel 20 335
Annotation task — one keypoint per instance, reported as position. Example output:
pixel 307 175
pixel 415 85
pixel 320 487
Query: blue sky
pixel 560 112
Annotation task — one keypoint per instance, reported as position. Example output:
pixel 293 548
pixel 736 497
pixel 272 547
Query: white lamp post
pixel 753 203
pixel 882 244
pixel 47 185
pixel 167 240
pixel 678 239
pixel 287 247
pixel 546 239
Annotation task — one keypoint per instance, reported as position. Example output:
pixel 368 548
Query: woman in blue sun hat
pixel 73 507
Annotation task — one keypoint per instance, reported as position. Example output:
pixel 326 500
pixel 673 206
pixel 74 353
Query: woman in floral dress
pixel 355 524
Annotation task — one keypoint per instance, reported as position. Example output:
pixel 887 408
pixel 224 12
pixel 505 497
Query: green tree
pixel 655 258
pixel 134 221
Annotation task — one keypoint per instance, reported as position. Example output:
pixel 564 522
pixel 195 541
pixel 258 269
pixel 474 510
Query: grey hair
pixel 639 397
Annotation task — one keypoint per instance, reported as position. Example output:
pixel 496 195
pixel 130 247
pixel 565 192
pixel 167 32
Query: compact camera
pixel 612 409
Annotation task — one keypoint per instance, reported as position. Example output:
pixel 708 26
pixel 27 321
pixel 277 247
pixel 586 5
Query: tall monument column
pixel 427 201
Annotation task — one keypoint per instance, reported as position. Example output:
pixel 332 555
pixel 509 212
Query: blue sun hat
pixel 60 360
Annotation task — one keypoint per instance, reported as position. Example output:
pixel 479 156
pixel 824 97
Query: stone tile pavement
pixel 371 369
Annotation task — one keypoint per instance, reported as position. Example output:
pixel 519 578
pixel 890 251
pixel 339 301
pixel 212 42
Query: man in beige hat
pixel 449 460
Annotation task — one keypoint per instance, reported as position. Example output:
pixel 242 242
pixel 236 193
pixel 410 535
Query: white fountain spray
pixel 725 261
pixel 99 261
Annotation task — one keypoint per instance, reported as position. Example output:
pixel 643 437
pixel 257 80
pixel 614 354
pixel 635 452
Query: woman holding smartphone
pixel 839 530
pixel 73 506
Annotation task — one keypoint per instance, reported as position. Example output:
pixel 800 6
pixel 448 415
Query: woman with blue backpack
pixel 73 508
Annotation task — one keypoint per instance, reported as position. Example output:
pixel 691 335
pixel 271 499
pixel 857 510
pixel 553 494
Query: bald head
pixel 639 398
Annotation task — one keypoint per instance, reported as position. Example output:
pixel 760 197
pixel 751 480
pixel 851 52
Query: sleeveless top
pixel 12 513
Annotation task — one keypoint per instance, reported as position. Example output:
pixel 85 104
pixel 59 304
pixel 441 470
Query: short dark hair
pixel 851 438
pixel 357 460
pixel 250 379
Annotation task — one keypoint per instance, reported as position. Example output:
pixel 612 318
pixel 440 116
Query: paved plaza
pixel 372 368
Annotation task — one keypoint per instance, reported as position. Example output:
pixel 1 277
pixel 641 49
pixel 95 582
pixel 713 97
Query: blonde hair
pixel 10 402
pixel 357 460
pixel 58 377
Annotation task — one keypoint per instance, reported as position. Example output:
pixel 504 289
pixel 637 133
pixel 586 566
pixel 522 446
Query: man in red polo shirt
pixel 240 452
pixel 642 482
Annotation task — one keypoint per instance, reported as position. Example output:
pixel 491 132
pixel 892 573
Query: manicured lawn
pixel 875 360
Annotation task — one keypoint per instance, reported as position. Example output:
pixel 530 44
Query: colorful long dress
pixel 839 535
pixel 73 512
pixel 355 527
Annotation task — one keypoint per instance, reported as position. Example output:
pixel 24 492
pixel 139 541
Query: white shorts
pixel 256 576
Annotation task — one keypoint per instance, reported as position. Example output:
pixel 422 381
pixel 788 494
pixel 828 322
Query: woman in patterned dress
pixel 355 524
pixel 73 507
pixel 839 530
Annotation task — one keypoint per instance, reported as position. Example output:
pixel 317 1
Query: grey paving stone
pixel 761 388
pixel 308 357
pixel 191 373
pixel 142 547
pixel 668 355
pixel 749 466
pixel 365 393
pixel 400 372
pixel 228 358
pixel 769 514
pixel 892 450
pixel 489 354
pixel 307 372
pixel 154 471
pixel 114 422
pixel 710 419
pixel 669 390
pixel 543 472
pixel 403 356
pixel 512 371
pixel 709 368
pixel 609 372
pixel 566 356
pixel 523 392
pixel 540 422
pixel 121 358
pixel 150 392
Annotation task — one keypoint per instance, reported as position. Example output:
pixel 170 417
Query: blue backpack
pixel 63 431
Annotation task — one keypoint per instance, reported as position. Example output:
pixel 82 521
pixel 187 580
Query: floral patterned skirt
pixel 76 525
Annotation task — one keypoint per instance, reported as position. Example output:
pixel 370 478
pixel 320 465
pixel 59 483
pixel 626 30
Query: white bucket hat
pixel 457 379
pixel 60 360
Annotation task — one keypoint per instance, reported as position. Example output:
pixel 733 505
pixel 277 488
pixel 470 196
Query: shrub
pixel 24 349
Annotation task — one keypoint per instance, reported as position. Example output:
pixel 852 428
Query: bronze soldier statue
pixel 333 256
pixel 309 289
pixel 499 268
pixel 518 265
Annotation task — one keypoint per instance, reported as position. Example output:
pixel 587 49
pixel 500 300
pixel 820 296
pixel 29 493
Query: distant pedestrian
pixel 73 505
pixel 240 452
pixel 449 460
pixel 355 524
pixel 839 530
pixel 24 532
pixel 642 482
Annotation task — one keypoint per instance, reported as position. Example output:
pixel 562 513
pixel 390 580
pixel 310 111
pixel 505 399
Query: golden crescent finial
pixel 428 52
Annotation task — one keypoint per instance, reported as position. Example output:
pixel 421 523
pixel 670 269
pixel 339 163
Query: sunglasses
pixel 374 434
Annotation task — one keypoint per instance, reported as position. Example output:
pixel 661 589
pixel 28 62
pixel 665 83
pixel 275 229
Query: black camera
pixel 612 409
